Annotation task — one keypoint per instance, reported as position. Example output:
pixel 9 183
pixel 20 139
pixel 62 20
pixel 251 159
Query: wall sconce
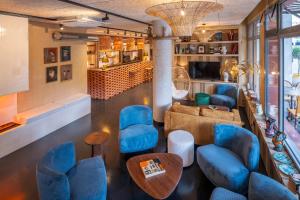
pixel 2 31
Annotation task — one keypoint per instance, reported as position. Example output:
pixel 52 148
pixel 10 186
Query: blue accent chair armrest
pixel 240 141
pixel 260 188
pixel 228 162
pixel 137 132
pixel 60 178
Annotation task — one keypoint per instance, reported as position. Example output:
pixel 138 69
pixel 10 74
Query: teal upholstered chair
pixel 260 188
pixel 137 132
pixel 226 95
pixel 60 177
pixel 230 160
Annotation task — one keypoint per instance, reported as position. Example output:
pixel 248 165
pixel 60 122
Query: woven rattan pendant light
pixel 184 16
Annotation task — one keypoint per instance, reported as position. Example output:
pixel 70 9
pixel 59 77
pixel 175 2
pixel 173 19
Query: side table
pixel 96 139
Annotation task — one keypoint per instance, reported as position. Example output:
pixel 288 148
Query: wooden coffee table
pixel 162 185
pixel 96 138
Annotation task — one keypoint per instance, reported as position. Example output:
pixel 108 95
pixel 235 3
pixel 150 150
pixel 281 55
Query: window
pixel 291 63
pixel 290 14
pixel 282 65
pixel 272 79
pixel 271 18
pixel 253 54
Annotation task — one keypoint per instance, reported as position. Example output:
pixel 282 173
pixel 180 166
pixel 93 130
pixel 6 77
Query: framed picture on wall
pixel 50 55
pixel 201 49
pixel 66 72
pixel 65 53
pixel 51 74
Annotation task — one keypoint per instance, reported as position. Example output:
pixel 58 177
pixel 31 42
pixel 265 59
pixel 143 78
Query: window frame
pixel 280 33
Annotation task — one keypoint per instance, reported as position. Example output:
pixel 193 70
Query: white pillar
pixel 162 73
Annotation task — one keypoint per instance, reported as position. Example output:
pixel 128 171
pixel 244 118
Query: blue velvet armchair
pixel 230 160
pixel 60 178
pixel 260 188
pixel 226 95
pixel 137 132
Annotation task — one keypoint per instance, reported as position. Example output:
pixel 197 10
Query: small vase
pixel 226 76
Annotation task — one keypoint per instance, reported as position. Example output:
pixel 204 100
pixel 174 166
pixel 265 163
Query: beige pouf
pixel 181 142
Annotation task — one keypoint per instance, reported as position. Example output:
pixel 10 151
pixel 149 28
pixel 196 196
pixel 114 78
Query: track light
pixel 106 18
pixel 61 27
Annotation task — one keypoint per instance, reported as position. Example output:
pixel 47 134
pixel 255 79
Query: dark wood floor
pixel 17 171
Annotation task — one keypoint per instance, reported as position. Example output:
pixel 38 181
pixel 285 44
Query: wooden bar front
pixel 104 84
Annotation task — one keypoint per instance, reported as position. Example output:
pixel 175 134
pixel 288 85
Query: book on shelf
pixel 152 167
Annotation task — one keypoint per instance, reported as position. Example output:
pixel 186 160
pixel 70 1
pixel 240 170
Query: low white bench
pixel 40 121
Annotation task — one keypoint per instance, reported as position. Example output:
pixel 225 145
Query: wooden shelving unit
pixel 208 55
pixel 214 42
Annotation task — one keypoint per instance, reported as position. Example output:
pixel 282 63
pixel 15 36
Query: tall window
pixel 253 54
pixel 290 18
pixel 272 79
pixel 282 58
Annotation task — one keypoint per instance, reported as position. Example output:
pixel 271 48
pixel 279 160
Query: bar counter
pixel 106 83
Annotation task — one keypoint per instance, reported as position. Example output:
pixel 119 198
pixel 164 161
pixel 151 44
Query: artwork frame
pixel 65 53
pixel 50 55
pixel 51 74
pixel 66 72
pixel 201 49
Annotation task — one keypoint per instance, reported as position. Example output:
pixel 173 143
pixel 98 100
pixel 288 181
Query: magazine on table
pixel 152 167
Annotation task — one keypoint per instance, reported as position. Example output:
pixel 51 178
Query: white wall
pixel 14 54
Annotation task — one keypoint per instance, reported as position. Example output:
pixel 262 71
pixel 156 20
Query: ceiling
pixel 233 13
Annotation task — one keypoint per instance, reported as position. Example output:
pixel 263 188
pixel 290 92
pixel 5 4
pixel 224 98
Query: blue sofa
pixel 60 178
pixel 137 132
pixel 230 160
pixel 226 95
pixel 260 188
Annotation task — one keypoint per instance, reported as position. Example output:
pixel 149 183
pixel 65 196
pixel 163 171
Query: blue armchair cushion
pixel 61 158
pixel 138 138
pixel 52 185
pixel 262 187
pixel 224 194
pixel 88 180
pixel 240 141
pixel 222 100
pixel 136 114
pixel 227 90
pixel 223 167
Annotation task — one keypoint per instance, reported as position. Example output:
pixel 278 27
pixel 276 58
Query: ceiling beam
pixel 103 11
pixel 26 16
pixel 118 29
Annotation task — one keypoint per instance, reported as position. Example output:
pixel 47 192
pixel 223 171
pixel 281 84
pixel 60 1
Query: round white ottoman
pixel 181 142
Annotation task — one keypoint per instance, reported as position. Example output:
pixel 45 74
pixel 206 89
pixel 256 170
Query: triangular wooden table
pixel 162 185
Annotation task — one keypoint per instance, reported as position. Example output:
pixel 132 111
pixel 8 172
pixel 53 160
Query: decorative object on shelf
pixel 224 50
pixel 201 49
pixel 270 123
pixel 118 43
pixel 226 76
pixel 193 48
pixel 140 42
pixel 218 36
pixel 65 53
pixel 211 50
pixel 282 157
pixel 50 55
pixel 287 169
pixel 278 140
pixel 184 16
pixel 104 42
pixel 51 74
pixel 66 72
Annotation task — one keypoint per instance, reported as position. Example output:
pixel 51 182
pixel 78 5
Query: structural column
pixel 162 72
